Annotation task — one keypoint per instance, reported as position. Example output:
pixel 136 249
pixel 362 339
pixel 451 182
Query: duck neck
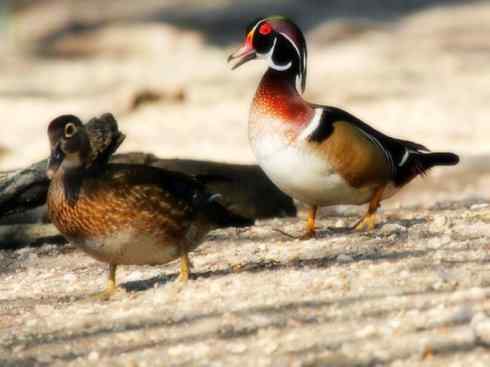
pixel 68 180
pixel 278 96
pixel 282 83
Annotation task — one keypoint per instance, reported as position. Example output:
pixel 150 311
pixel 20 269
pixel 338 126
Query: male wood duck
pixel 320 155
pixel 126 214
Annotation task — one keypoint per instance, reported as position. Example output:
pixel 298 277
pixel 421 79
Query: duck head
pixel 279 42
pixel 69 142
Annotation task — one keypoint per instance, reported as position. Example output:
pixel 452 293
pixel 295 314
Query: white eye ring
pixel 70 130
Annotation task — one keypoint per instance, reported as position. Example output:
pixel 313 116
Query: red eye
pixel 265 29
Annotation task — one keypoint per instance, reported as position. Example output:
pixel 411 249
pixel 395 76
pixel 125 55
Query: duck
pixel 103 134
pixel 126 214
pixel 318 154
pixel 24 191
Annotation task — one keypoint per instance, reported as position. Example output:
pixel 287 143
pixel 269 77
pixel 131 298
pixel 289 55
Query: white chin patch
pixel 270 62
pixel 280 67
pixel 71 161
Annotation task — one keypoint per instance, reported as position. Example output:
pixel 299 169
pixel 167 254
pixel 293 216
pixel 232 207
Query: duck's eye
pixel 70 130
pixel 265 29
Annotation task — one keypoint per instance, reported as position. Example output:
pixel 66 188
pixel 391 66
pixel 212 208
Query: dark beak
pixel 244 54
pixel 54 161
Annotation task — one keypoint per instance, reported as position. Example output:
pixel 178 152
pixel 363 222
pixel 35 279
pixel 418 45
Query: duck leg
pixel 368 220
pixel 111 287
pixel 185 266
pixel 310 223
pixel 310 226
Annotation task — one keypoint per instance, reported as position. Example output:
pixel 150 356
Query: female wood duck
pixel 320 155
pixel 126 214
pixel 104 137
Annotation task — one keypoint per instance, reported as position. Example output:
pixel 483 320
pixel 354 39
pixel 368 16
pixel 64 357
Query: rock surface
pixel 412 297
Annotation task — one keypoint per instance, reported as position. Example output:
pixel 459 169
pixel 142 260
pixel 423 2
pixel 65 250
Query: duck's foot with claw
pixel 308 235
pixel 106 294
pixel 366 223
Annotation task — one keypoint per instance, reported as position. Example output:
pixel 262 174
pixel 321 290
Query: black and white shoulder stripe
pixel 396 151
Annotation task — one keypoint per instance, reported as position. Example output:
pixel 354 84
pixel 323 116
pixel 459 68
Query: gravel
pixel 260 298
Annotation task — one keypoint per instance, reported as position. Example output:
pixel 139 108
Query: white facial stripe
pixel 280 67
pixel 313 125
pixel 268 57
pixel 292 43
pixel 254 28
pixel 301 58
pixel 299 80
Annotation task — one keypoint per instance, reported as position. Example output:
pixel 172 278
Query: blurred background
pixel 416 69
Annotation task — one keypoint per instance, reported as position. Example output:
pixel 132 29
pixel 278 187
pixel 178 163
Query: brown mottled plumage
pixel 123 213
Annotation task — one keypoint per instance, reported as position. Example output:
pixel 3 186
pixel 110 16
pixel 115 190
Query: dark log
pixel 244 189
pixel 23 189
pixel 19 235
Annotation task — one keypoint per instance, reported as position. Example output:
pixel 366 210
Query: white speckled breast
pixel 296 169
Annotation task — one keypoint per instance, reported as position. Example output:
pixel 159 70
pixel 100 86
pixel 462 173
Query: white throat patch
pixel 268 57
pixel 71 161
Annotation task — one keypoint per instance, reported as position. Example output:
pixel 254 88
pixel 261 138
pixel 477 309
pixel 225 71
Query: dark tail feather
pixel 419 163
pixel 221 217
pixel 430 160
pixel 209 178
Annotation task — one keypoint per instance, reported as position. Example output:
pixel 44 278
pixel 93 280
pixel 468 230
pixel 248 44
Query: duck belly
pixel 129 248
pixel 303 175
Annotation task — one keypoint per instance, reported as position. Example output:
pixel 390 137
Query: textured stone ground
pixel 415 292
